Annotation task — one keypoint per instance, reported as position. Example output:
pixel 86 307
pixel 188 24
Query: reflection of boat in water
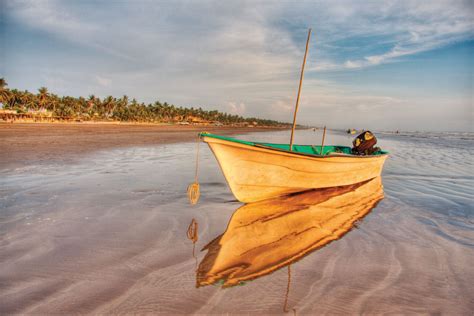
pixel 265 236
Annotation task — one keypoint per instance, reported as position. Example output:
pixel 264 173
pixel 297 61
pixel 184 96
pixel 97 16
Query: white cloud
pixel 103 81
pixel 236 108
pixel 285 107
pixel 250 37
pixel 352 64
pixel 410 27
pixel 212 53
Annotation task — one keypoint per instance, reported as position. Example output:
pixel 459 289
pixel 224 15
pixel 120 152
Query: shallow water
pixel 108 235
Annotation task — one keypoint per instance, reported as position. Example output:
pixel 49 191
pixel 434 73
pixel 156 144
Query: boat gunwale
pixel 262 146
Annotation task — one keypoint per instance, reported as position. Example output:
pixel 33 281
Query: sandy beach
pixel 106 233
pixel 23 143
pixel 236 158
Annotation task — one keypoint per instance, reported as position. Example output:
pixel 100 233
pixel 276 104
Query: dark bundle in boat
pixel 364 144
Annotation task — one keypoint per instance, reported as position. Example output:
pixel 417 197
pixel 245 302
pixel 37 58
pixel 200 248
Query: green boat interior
pixel 303 149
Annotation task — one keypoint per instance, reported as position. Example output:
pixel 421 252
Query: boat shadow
pixel 265 236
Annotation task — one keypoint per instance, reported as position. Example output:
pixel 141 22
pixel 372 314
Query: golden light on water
pixel 265 236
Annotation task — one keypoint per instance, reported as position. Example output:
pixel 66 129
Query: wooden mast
pixel 322 143
pixel 299 91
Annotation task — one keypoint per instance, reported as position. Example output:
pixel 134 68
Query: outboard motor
pixel 364 144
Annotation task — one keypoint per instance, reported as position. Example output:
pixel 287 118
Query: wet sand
pixel 21 144
pixel 107 234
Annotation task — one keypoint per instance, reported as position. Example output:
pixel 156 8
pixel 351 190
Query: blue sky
pixel 382 65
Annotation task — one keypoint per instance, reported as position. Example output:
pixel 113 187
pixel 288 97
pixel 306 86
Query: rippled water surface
pixel 109 235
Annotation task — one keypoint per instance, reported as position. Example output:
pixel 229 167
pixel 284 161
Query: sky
pixel 383 65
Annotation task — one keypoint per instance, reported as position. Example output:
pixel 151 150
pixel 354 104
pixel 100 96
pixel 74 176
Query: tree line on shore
pixel 115 109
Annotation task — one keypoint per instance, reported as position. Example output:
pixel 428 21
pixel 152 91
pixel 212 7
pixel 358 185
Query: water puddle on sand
pixel 109 234
pixel 266 236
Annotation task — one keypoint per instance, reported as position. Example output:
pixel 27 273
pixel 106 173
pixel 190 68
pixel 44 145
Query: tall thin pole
pixel 322 143
pixel 299 90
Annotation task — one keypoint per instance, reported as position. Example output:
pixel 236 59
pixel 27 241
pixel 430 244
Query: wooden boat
pixel 259 171
pixel 265 236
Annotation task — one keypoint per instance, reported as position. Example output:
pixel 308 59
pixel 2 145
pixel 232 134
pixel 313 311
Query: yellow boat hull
pixel 257 173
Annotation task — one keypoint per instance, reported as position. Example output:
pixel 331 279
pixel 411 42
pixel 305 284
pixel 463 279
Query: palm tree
pixel 28 100
pixel 43 97
pixel 119 109
pixel 12 101
pixel 91 103
pixel 4 92
pixel 108 105
pixel 79 105
pixel 125 101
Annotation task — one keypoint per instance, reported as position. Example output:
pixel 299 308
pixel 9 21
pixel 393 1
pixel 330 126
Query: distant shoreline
pixel 22 144
pixel 128 123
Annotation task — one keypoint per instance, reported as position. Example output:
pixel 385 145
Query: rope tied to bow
pixel 193 189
